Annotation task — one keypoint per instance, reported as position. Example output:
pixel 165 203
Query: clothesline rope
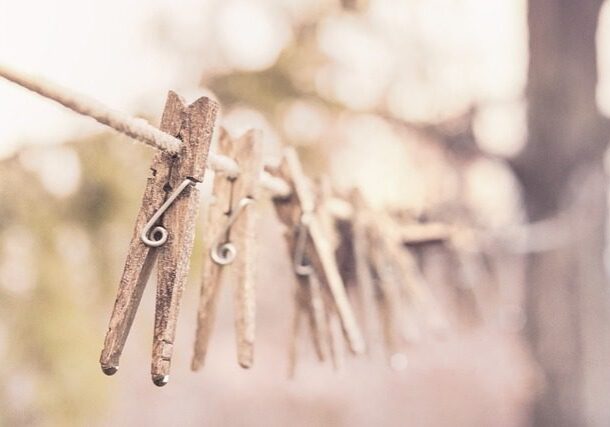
pixel 136 128
pixel 141 130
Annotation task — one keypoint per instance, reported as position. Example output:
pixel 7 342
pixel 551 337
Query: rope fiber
pixel 136 128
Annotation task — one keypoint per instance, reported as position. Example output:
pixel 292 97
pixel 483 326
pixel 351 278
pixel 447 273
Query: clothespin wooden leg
pixel 174 256
pixel 317 315
pixel 362 267
pixel 333 333
pixel 244 297
pixel 141 257
pixel 299 313
pixel 325 261
pixel 308 303
pixel 417 289
pixel 210 286
pixel 389 297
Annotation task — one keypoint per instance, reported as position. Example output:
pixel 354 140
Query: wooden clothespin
pixel 392 308
pixel 165 228
pixel 361 265
pixel 389 282
pixel 230 226
pixel 312 300
pixel 312 251
pixel 372 271
pixel 474 278
pixel 414 288
pixel 326 209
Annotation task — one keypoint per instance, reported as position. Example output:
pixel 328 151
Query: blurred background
pixel 484 114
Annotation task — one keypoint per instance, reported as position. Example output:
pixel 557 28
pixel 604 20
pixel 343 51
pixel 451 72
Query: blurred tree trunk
pixel 561 170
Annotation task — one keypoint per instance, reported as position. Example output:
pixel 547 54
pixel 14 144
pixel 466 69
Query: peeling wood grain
pixel 193 124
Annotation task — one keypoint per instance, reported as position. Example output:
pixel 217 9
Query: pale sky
pixel 111 51
pixel 104 49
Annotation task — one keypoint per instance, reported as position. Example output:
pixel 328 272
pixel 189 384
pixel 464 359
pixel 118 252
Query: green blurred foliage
pixel 47 341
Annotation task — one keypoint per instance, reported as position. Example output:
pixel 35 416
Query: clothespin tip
pixel 160 380
pixel 110 370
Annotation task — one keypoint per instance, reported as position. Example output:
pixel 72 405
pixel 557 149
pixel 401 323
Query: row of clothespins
pixel 360 257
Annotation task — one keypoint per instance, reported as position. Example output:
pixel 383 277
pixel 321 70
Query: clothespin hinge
pixel 224 253
pixel 150 238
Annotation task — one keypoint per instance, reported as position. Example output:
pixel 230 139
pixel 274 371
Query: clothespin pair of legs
pixel 164 230
pixel 313 254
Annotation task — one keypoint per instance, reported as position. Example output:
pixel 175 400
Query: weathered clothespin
pixel 366 293
pixel 414 288
pixel 230 226
pixel 393 311
pixel 165 229
pixel 474 276
pixel 312 300
pixel 388 280
pixel 326 203
pixel 311 249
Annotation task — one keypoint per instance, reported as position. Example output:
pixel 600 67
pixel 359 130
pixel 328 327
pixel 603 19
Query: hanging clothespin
pixel 392 311
pixel 367 292
pixel 309 301
pixel 377 287
pixel 230 249
pixel 414 288
pixel 326 209
pixel 165 229
pixel 312 300
pixel 475 277
pixel 389 282
pixel 311 249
